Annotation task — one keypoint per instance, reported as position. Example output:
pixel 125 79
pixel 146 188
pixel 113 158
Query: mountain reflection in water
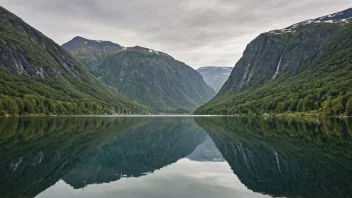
pixel 175 157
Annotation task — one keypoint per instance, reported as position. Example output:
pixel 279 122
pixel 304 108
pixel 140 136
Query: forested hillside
pixel 306 68
pixel 37 76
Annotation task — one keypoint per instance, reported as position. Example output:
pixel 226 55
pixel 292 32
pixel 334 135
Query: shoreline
pixel 293 115
pixel 113 115
pixel 300 115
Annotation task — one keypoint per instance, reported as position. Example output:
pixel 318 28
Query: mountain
pixel 37 76
pixel 152 78
pixel 302 68
pixel 215 76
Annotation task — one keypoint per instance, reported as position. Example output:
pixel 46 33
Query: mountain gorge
pixel 305 67
pixel 150 77
pixel 40 77
pixel 215 76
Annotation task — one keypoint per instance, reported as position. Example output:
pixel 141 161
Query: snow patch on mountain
pixel 339 17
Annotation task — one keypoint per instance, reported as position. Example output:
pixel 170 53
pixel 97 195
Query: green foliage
pixel 349 107
pixel 27 96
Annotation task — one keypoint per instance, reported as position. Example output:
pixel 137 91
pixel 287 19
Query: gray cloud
pixel 197 32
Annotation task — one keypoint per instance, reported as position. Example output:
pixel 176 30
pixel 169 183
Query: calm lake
pixel 157 157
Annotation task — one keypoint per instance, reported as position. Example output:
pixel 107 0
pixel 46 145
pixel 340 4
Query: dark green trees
pixel 349 107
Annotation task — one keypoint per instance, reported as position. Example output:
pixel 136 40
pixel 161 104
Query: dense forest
pixel 26 96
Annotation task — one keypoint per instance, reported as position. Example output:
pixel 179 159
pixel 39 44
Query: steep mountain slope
pixel 303 68
pixel 150 77
pixel 38 76
pixel 215 76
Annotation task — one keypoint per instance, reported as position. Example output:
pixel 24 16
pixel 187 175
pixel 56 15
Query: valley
pixel 304 69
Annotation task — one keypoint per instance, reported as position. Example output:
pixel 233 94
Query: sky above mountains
pixel 197 32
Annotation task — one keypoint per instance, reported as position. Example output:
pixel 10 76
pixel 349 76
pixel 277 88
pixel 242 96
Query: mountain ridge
pixel 150 77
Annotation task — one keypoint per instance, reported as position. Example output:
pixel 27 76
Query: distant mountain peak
pixel 78 40
pixel 338 17
pixel 215 68
pixel 215 76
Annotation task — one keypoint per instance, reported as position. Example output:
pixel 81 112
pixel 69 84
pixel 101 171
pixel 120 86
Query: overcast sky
pixel 197 32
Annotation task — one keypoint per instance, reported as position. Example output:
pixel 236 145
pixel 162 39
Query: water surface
pixel 154 157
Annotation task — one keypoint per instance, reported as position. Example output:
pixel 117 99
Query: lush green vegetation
pixel 323 87
pixel 27 96
pixel 37 76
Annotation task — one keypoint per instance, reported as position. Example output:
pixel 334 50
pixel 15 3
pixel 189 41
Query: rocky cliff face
pixel 26 51
pixel 152 78
pixel 215 76
pixel 287 51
